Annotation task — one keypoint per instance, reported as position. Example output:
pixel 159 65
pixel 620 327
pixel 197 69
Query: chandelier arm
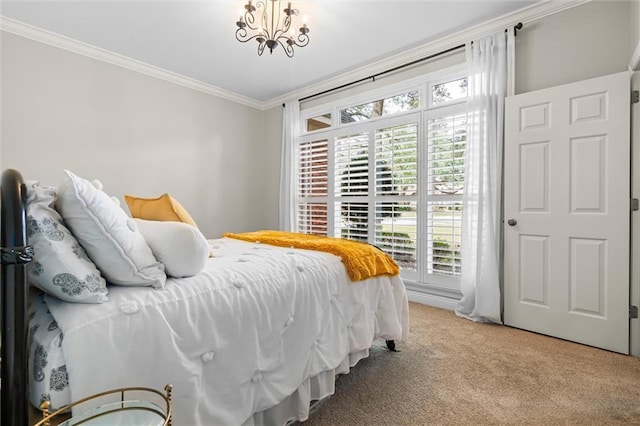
pixel 302 40
pixel 275 23
pixel 244 40
pixel 280 33
pixel 288 49
pixel 250 20
pixel 249 17
pixel 241 34
pixel 261 47
pixel 286 25
pixel 264 22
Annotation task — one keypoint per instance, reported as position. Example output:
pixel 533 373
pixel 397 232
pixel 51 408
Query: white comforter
pixel 237 339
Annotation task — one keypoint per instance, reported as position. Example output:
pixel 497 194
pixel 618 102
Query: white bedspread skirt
pixel 297 405
pixel 253 339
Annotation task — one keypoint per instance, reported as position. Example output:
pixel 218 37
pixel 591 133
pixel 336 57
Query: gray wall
pixel 634 22
pixel 586 41
pixel 138 135
pixel 271 151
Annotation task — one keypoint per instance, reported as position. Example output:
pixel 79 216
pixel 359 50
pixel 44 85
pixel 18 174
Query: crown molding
pixel 56 40
pixel 526 15
pixel 530 14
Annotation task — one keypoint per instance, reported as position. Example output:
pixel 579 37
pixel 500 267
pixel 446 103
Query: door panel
pixel 534 273
pixel 534 177
pixel 567 169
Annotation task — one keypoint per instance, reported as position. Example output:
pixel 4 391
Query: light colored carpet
pixel 454 371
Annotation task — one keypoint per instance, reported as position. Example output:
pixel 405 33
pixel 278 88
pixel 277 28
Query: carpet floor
pixel 452 371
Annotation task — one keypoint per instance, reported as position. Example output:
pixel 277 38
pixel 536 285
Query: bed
pixel 253 339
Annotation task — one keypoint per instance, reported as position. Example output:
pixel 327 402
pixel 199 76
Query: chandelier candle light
pixel 273 27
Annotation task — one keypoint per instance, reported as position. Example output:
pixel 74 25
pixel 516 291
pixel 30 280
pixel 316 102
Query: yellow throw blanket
pixel 361 260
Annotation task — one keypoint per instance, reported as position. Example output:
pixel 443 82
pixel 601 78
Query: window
pixel 391 173
pixel 382 107
pixel 318 122
pixel 375 177
pixel 448 91
pixel 446 143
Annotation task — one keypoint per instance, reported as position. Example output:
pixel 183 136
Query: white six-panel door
pixel 566 211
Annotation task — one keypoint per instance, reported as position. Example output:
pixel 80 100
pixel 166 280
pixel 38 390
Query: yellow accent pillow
pixel 164 208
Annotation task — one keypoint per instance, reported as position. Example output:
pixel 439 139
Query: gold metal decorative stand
pixel 111 410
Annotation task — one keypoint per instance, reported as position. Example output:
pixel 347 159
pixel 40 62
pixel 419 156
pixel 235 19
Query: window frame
pixel 427 110
pixel 448 282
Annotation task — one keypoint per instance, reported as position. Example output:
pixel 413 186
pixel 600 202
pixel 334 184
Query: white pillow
pixel 179 246
pixel 109 236
pixel 60 267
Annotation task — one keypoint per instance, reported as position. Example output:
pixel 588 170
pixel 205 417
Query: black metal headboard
pixel 16 254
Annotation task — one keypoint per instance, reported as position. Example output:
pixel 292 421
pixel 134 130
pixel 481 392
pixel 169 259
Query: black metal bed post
pixel 16 254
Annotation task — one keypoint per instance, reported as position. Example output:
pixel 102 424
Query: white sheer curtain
pixel 489 60
pixel 290 126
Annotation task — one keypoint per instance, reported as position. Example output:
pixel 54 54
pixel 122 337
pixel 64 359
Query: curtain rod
pixel 516 27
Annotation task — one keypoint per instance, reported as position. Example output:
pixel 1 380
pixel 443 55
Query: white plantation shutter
pixel 351 184
pixel 446 144
pixel 313 184
pixel 398 233
pixel 352 220
pixel 446 140
pixel 397 160
pixel 444 223
pixel 313 162
pixel 396 186
pixel 352 165
pixel 312 218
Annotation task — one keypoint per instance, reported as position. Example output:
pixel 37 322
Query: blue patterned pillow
pixel 48 378
pixel 60 267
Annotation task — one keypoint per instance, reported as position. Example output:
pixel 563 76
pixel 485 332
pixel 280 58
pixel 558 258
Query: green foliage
pixel 441 92
pixel 395 174
pixel 400 246
pixel 444 258
pixel 404 102
pixel 356 214
pixel 356 233
pixel 448 143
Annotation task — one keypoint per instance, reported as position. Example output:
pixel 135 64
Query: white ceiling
pixel 196 39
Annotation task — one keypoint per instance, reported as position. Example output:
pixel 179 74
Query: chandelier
pixel 272 27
